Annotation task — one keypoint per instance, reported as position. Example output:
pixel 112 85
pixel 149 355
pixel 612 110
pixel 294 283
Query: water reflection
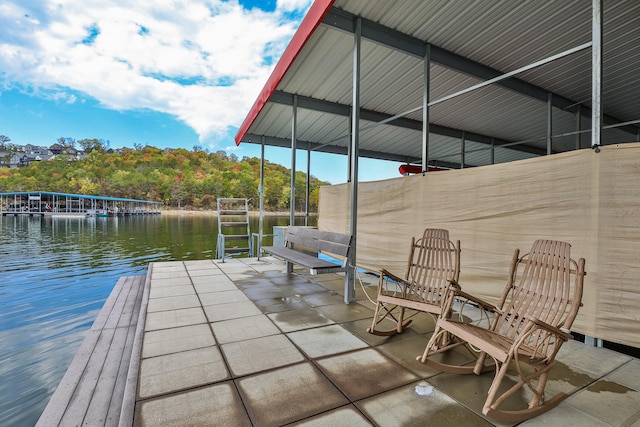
pixel 56 274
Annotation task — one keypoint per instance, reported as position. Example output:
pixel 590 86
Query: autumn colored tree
pixel 175 177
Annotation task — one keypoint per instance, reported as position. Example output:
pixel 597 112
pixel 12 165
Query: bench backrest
pixel 318 240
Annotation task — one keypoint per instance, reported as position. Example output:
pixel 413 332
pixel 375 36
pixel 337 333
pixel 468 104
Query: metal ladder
pixel 233 226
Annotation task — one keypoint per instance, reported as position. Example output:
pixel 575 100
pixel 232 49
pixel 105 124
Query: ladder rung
pixel 233 211
pixel 235 237
pixel 236 250
pixel 233 224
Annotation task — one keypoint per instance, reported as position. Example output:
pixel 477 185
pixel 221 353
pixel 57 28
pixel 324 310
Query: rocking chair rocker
pixel 526 329
pixel 434 263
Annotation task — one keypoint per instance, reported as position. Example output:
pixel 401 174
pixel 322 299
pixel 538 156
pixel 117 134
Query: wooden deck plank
pixel 131 382
pixel 107 396
pixel 102 317
pixel 107 347
pixel 91 391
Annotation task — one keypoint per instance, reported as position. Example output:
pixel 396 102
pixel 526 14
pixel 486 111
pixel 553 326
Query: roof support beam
pixel 374 116
pixel 397 40
pixel 335 149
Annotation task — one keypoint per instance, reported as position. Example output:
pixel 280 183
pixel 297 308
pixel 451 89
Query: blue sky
pixel 173 73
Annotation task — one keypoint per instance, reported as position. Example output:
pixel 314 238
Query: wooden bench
pixel 303 244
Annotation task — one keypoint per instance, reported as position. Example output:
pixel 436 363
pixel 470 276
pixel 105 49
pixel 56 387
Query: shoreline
pixel 188 212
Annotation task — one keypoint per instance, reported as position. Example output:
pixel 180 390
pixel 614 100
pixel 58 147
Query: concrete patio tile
pixel 167 267
pixel 324 298
pixel 214 272
pixel 263 266
pixel 325 341
pixel 471 391
pixel 564 415
pixel 240 275
pixel 232 310
pixel 244 328
pixel 288 394
pixel 223 297
pixel 364 373
pixel 627 375
pixel 290 280
pixel 168 264
pixel 233 267
pixel 614 399
pixel 166 341
pixel 171 291
pixel 359 329
pixel 214 286
pixel 259 354
pixel 174 318
pixel 257 284
pixel 208 272
pixel 173 303
pixel 194 408
pixel 346 416
pixel 163 275
pixel 296 320
pixel 594 360
pixel 406 407
pixel 405 351
pixel 199 264
pixel 279 304
pixel 342 312
pixel 180 371
pixel 263 290
pixel 172 281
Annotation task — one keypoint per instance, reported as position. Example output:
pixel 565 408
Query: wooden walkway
pixel 100 384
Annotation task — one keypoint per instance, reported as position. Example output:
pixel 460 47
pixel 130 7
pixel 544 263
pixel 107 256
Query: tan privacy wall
pixel 591 200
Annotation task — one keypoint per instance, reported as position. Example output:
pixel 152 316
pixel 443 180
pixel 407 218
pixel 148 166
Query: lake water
pixel 55 275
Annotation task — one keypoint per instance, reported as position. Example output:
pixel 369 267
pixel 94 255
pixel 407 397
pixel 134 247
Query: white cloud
pixel 201 61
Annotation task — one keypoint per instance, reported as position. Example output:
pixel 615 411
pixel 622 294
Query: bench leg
pixel 289 267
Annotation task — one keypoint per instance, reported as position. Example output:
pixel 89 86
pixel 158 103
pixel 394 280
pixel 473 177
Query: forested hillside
pixel 175 177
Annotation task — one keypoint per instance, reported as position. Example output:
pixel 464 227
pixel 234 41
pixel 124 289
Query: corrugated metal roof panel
pixel 501 35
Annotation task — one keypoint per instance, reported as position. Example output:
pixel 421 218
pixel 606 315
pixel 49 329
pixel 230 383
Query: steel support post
pixel 578 126
pixel 549 123
pixel 294 143
pixel 307 188
pixel 426 85
pixel 463 143
pixel 349 278
pixel 596 74
pixel 261 191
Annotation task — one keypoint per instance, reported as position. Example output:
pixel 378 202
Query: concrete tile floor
pixel 244 343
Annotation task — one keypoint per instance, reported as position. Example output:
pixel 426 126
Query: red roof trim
pixel 311 21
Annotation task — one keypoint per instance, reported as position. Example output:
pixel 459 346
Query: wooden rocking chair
pixel 434 262
pixel 528 327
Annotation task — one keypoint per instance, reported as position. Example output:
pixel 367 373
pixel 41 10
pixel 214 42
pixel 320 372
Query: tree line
pixel 180 178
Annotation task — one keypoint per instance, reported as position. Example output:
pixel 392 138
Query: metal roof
pixel 470 41
pixel 77 196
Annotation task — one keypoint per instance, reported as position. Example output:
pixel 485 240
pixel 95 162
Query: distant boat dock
pixel 45 203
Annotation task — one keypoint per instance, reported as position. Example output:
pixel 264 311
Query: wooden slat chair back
pixel 527 327
pixel 544 292
pixel 434 262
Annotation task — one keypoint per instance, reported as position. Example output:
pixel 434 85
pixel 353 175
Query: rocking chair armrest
pixel 483 304
pixel 454 284
pixel 563 335
pixel 388 274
